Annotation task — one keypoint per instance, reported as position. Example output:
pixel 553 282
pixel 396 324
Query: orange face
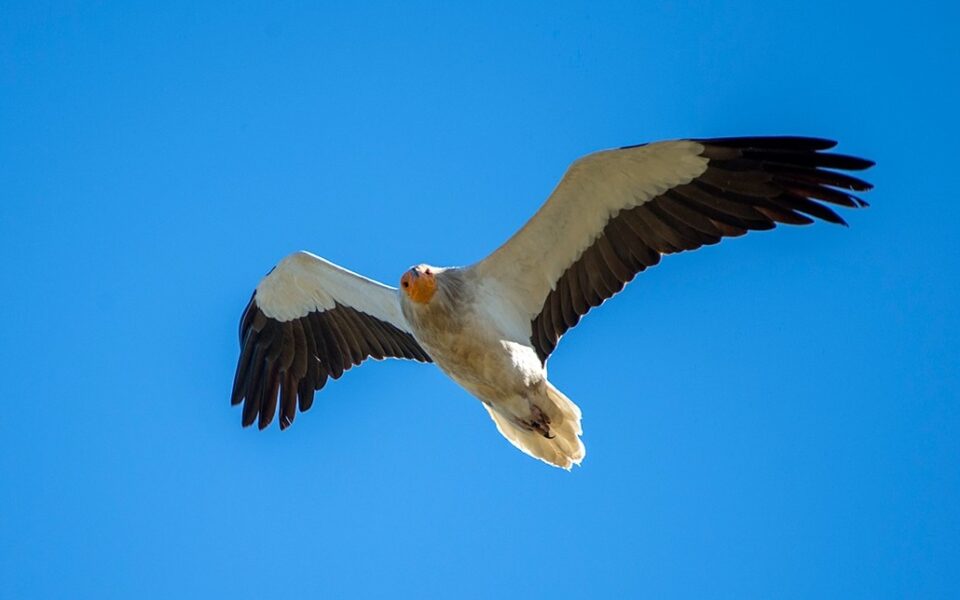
pixel 419 284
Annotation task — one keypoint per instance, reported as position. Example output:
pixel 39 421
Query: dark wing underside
pixel 287 361
pixel 749 183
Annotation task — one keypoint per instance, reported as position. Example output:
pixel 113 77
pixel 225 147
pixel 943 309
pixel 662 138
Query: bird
pixel 492 326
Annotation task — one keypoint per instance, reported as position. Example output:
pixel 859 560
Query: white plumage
pixel 303 283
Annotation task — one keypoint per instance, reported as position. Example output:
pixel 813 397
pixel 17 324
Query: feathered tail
pixel 562 448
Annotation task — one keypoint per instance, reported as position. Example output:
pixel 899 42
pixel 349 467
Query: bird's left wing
pixel 616 212
pixel 308 320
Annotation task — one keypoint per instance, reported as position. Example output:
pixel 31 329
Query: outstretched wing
pixel 309 320
pixel 616 212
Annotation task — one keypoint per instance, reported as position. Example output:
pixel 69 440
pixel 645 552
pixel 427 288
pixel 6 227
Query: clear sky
pixel 774 417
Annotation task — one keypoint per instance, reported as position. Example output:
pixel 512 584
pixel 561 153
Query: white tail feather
pixel 564 449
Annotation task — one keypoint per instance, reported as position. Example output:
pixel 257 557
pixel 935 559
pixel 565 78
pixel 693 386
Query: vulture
pixel 492 326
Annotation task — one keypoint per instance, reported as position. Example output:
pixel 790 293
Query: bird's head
pixel 419 283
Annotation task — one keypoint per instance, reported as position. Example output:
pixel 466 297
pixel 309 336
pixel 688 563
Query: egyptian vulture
pixel 492 326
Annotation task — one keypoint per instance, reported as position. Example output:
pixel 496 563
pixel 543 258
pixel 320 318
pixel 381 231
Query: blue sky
pixel 776 416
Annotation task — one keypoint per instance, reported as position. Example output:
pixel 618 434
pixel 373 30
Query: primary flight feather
pixel 492 326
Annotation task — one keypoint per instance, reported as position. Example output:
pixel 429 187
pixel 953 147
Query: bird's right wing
pixel 308 320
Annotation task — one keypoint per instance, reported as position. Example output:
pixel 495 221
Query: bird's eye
pixel 405 284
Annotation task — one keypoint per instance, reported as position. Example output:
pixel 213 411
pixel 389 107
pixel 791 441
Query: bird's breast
pixel 477 356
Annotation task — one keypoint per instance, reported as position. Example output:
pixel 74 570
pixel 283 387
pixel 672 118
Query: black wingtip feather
pixel 807 159
pixel 780 142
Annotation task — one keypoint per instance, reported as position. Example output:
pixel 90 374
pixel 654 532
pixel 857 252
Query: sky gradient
pixel 773 417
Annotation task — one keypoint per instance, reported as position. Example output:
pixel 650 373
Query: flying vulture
pixel 492 326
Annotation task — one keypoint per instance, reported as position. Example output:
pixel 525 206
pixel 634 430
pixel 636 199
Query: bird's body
pixel 492 326
pixel 463 330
